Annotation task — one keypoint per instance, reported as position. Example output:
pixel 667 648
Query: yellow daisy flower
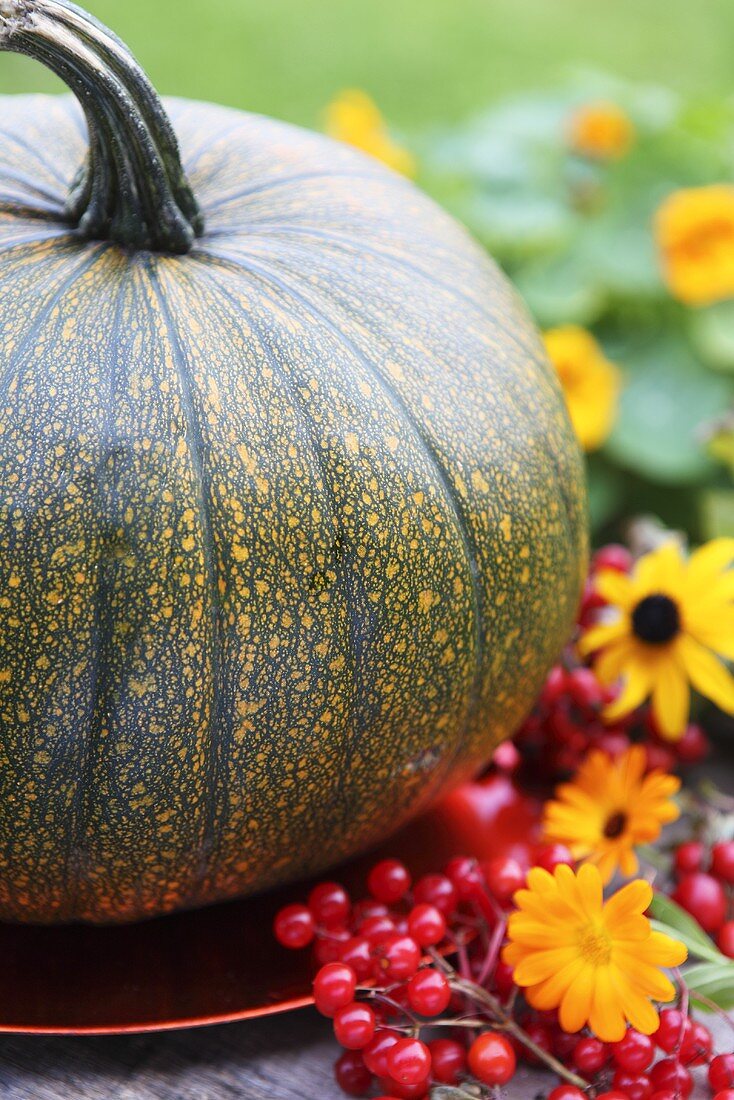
pixel 354 118
pixel 610 807
pixel 601 131
pixel 694 229
pixel 597 962
pixel 671 618
pixel 590 382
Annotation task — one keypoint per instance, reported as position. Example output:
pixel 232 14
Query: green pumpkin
pixel 292 520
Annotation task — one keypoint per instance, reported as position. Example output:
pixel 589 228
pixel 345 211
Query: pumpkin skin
pixel 291 527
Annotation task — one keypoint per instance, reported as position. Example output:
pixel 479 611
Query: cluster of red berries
pixel 408 1019
pixel 705 888
pixel 567 719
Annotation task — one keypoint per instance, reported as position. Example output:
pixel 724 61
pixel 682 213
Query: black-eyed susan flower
pixel 610 808
pixel 590 383
pixel 353 117
pixel 597 962
pixel 600 131
pixel 671 621
pixel 694 229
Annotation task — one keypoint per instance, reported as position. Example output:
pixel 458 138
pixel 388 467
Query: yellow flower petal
pixel 635 690
pixel 706 563
pixel 671 698
pixel 616 588
pixel 707 674
pixel 632 898
pixel 606 1018
pixel 660 571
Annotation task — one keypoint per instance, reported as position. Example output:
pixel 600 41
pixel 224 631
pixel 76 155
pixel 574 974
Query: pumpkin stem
pixel 132 188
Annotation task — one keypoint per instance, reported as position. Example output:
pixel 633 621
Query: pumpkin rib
pixel 36 152
pixel 303 415
pixel 456 292
pixel 89 259
pixel 196 451
pixel 102 634
pixel 33 185
pixel 284 181
pixel 397 402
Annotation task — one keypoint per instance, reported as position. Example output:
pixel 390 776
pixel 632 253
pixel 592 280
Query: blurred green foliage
pixel 420 59
pixel 577 238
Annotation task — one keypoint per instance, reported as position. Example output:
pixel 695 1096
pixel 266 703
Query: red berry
pixel 328 948
pixel 671 1029
pixel 376 929
pixel 721 1072
pixel 389 881
pixel 403 1092
pixel 590 1055
pixel 612 556
pixel 636 1086
pixel 567 1092
pixel 376 1051
pixel 554 687
pixel 429 993
pixel 693 746
pixel 409 1061
pixel 330 904
pixel 504 877
pixel 725 938
pixel 448 1060
pixel 725 1094
pixel 658 757
pixel 396 959
pixel 634 1053
pixel 354 1025
pixel 294 926
pixel 333 987
pixel 697 1045
pixel 465 874
pixel 357 953
pixel 352 1076
pixel 663 1094
pixel 506 757
pixel 541 1035
pixel 553 855
pixel 670 1074
pixel 427 925
pixel 492 1059
pixel 504 982
pixel 564 1043
pixel 585 689
pixel 437 890
pixel 704 898
pixel 613 1094
pixel 689 857
pixel 365 908
pixel 722 861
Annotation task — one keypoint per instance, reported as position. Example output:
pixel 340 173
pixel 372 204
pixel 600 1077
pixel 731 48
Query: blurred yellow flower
pixel 601 131
pixel 597 962
pixel 590 382
pixel 694 229
pixel 354 118
pixel 672 620
pixel 609 808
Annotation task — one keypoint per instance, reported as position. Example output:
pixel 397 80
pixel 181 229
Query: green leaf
pixel 668 396
pixel 714 981
pixel 717 513
pixel 560 291
pixel 712 333
pixel 674 921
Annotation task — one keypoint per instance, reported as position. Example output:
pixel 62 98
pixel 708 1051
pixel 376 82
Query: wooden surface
pixel 281 1058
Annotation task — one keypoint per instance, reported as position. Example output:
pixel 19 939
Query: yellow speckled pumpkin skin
pixel 291 527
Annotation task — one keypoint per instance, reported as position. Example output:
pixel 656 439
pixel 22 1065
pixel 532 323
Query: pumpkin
pixel 292 520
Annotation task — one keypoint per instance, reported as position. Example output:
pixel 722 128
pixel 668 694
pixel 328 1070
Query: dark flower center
pixel 615 826
pixel 656 619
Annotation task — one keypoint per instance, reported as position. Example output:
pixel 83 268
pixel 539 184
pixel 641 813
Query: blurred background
pixel 589 144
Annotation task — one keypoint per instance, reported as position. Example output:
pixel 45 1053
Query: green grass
pixel 424 60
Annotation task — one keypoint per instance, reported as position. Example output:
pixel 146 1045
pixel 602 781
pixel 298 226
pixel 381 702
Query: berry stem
pixel 494 1008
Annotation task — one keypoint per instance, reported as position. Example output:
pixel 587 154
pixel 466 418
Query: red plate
pixel 221 963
